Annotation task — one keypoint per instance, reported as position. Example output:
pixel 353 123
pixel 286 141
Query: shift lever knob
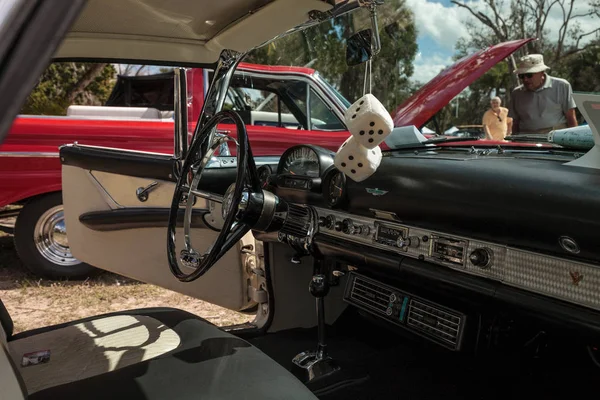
pixel 318 287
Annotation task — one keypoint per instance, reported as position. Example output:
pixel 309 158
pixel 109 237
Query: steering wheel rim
pixel 194 165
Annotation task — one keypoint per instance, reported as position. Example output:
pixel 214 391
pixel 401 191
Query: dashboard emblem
pixel 576 276
pixel 376 192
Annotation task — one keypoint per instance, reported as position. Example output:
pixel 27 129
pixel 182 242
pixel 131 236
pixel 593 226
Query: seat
pixel 154 353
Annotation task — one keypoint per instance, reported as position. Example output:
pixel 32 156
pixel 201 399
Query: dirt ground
pixel 33 302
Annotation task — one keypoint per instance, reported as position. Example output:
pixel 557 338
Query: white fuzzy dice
pixel 368 121
pixel 356 161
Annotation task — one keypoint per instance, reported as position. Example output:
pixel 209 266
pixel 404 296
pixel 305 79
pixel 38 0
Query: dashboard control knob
pixel 481 257
pixel 330 222
pixel 348 227
pixel 401 242
pixel 365 230
pixel 414 241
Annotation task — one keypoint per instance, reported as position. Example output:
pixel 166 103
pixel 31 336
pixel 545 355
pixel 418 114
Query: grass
pixel 34 302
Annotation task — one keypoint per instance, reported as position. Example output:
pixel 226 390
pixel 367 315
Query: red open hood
pixel 438 92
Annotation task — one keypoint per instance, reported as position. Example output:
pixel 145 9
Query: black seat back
pixel 6 321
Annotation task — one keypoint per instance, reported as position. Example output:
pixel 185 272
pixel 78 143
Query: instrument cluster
pixel 307 173
pixel 309 170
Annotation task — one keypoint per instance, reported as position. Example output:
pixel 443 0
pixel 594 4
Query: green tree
pixel 66 83
pixel 323 47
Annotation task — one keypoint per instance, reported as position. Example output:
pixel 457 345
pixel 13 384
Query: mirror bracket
pixel 376 43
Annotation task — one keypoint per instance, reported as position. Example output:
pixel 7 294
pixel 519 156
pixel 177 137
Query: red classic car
pixel 30 169
pixel 450 272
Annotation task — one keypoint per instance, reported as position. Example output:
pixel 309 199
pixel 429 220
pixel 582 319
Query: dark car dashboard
pixel 503 224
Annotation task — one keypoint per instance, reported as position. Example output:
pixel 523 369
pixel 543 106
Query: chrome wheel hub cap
pixel 50 238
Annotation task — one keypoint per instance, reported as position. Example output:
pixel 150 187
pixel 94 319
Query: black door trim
pixel 136 218
pixel 122 162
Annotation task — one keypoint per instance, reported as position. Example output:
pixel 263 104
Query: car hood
pixel 438 92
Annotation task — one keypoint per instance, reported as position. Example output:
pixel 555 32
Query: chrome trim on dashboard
pixel 36 154
pixel 231 161
pixel 572 281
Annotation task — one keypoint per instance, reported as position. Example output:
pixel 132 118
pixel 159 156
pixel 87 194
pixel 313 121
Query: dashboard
pixel 457 212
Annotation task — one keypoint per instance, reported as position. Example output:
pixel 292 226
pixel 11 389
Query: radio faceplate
pixel 388 234
pixel 448 250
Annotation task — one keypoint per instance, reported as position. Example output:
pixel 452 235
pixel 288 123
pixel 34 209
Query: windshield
pixel 339 96
pixel 321 51
pixel 489 105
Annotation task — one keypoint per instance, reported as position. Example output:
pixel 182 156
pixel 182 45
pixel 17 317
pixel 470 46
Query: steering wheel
pixel 240 196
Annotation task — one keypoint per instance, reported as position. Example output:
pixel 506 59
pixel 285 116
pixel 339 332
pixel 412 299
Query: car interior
pixel 444 274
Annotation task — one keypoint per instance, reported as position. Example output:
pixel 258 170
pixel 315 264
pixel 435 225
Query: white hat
pixel 531 64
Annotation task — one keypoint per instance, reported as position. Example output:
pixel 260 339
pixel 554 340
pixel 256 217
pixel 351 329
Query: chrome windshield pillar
pixel 217 92
pixel 181 113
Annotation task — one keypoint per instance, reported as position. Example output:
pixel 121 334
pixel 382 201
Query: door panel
pixel 139 251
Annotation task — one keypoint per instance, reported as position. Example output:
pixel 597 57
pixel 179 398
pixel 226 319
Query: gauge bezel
pixel 324 157
pixel 329 175
pixel 286 156
pixel 259 172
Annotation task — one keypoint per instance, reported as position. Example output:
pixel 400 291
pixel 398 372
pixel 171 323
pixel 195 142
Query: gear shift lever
pixel 319 287
pixel 310 365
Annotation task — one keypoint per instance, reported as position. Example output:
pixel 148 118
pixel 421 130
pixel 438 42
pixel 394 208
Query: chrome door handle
pixel 142 192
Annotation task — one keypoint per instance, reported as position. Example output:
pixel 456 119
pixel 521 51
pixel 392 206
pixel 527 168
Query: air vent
pixel 370 295
pixel 422 317
pixel 297 222
pixel 434 322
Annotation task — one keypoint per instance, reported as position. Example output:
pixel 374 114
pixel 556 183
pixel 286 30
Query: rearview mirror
pixel 358 48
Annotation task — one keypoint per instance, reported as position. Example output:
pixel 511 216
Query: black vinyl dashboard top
pixel 523 202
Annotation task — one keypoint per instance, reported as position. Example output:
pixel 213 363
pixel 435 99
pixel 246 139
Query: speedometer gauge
pixel 302 161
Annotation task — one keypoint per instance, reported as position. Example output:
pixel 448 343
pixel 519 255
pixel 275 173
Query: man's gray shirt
pixel 544 108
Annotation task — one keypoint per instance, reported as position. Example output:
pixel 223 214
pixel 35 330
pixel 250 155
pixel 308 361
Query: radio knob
pixel 401 242
pixel 481 257
pixel 348 227
pixel 330 222
pixel 363 230
pixel 414 241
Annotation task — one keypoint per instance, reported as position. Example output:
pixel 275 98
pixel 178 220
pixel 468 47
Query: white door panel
pixel 141 253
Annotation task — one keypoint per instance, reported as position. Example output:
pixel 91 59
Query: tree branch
pixel 484 19
pixel 84 81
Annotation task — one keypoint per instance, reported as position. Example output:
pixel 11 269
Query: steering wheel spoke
pixel 207 195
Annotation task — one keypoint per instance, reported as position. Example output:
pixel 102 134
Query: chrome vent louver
pixel 298 221
pixel 370 295
pixel 435 322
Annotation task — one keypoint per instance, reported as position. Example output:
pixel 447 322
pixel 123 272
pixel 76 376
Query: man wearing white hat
pixel 542 102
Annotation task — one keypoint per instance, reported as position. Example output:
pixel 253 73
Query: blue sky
pixel 440 24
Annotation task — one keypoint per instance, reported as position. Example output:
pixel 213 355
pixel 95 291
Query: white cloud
pixel 444 25
pixel 428 66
